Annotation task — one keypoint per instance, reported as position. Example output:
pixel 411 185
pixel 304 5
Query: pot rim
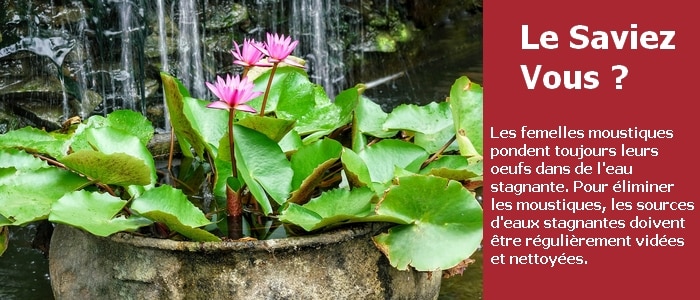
pixel 338 235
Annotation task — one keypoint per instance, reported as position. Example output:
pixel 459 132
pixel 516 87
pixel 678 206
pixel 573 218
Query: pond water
pixel 452 51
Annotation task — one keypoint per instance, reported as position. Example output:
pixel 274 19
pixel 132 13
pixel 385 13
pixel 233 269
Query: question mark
pixel 623 74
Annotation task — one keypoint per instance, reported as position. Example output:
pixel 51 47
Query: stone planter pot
pixel 343 264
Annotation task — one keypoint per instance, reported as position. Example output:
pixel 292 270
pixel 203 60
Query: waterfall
pixel 315 24
pixel 126 75
pixel 113 48
pixel 191 71
pixel 163 50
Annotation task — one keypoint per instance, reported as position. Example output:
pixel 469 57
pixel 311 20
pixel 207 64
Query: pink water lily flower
pixel 248 54
pixel 278 47
pixel 233 93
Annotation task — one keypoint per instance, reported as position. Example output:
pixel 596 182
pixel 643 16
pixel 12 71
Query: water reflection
pixel 24 271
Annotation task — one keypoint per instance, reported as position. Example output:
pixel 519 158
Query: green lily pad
pixel 370 119
pixel 261 161
pixel 94 212
pixel 355 168
pixel 434 117
pixel 442 218
pixel 116 168
pixel 110 141
pixel 454 167
pixel 187 137
pixel 287 82
pixel 208 123
pixel 467 102
pixel 131 122
pixel 273 128
pixel 28 195
pixel 382 157
pixel 35 141
pixel 332 207
pixel 171 207
pixel 310 163
pixel 15 158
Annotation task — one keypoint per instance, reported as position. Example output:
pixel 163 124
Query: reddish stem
pixel 267 90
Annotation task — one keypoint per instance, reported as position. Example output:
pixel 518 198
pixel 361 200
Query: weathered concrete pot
pixel 343 264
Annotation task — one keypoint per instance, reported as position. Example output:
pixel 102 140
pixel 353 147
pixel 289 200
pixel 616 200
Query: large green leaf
pixel 260 160
pixel 294 97
pixel 116 168
pixel 27 195
pixel 429 119
pixel 332 207
pixel 132 123
pixel 310 164
pixel 455 167
pixel 443 219
pixel 355 168
pixel 15 158
pixel 187 136
pixel 95 213
pixel 370 118
pixel 273 128
pixel 209 124
pixel 431 124
pixel 383 157
pixel 111 141
pixel 287 82
pixel 467 102
pixel 170 206
pixel 433 142
pixel 36 141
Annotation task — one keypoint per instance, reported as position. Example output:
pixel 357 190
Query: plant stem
pixel 234 220
pixel 267 90
pixel 437 154
pixel 234 207
pixel 231 115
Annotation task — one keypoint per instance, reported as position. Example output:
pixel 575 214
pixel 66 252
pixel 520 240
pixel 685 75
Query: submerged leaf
pixel 4 237
pixel 442 218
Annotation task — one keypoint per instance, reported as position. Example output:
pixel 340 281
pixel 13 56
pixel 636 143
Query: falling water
pixel 191 71
pixel 163 50
pixel 315 24
pixel 84 57
pixel 126 75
